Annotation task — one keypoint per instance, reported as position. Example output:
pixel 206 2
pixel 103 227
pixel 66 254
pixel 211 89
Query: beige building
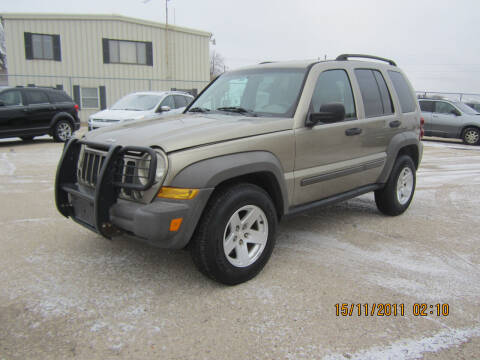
pixel 99 58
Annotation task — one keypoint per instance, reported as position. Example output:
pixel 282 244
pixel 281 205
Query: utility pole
pixel 166 38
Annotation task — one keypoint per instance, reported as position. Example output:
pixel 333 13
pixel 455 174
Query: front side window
pixel 333 86
pixel 127 52
pixel 42 46
pixel 259 92
pixel 180 101
pixel 442 107
pixel 11 98
pixel 89 97
pixel 168 101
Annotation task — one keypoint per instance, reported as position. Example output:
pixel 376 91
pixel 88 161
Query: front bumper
pixel 151 222
pixel 100 209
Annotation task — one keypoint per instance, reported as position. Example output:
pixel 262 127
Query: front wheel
pixel 397 194
pixel 62 131
pixel 471 136
pixel 236 234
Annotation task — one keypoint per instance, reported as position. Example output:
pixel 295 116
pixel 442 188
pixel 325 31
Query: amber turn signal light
pixel 175 224
pixel 177 193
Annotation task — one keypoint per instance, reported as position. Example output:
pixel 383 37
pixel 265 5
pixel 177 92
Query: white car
pixel 139 106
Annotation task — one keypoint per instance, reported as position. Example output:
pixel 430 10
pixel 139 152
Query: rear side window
pixel 36 97
pixel 405 96
pixel 180 101
pixel 58 96
pixel 333 86
pixel 376 97
pixel 426 106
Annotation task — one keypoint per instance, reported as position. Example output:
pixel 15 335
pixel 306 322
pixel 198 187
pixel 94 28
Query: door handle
pixel 353 131
pixel 395 123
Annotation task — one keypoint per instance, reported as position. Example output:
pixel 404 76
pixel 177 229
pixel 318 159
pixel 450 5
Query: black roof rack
pixel 344 57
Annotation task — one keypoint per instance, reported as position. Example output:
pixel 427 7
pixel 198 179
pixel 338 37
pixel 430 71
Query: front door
pixel 12 113
pixel 335 158
pixel 444 120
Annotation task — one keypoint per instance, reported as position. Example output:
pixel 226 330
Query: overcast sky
pixel 435 42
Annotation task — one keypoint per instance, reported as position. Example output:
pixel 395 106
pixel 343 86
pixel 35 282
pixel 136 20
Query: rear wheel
pixel 62 131
pixel 397 194
pixel 236 234
pixel 471 136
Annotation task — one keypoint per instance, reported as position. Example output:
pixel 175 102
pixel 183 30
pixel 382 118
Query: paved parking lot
pixel 68 293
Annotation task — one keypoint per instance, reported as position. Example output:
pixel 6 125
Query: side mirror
pixel 455 112
pixel 329 113
pixel 164 108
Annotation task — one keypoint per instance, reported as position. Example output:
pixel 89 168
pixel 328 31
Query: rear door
pixel 335 158
pixel 427 107
pixel 40 110
pixel 12 112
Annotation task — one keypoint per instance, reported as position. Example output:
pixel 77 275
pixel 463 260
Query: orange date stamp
pixel 391 309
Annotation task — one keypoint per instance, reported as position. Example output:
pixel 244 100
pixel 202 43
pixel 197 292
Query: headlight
pixel 160 171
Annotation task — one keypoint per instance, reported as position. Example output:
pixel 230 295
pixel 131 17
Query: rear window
pixel 407 102
pixel 375 95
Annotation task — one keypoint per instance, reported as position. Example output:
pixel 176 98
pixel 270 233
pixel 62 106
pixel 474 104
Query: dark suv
pixel 29 112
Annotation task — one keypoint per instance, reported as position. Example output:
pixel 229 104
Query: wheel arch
pixel 62 116
pixel 260 168
pixel 401 144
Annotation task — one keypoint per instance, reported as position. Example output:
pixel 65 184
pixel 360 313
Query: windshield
pixel 465 108
pixel 137 102
pixel 257 92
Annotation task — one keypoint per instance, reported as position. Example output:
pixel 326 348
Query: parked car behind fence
pixel 31 111
pixel 141 106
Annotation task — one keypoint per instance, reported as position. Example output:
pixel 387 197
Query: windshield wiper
pixel 198 109
pixel 237 109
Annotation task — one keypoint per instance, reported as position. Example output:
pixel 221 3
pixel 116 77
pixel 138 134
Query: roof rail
pixel 345 57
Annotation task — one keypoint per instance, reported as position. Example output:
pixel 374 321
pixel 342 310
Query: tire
pixel 471 136
pixel 397 194
pixel 26 138
pixel 62 131
pixel 218 239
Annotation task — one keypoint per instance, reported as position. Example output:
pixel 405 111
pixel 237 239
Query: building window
pixel 127 52
pixel 42 47
pixel 89 97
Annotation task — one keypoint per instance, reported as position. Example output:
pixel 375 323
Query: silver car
pixel 141 106
pixel 450 119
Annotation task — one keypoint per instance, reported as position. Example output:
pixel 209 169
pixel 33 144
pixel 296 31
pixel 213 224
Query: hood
pixel 119 114
pixel 187 130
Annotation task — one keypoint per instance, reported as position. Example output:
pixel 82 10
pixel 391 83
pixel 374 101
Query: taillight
pixel 422 132
pixel 76 107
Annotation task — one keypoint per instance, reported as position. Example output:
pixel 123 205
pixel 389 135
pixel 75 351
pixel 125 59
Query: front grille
pixel 89 166
pixel 132 169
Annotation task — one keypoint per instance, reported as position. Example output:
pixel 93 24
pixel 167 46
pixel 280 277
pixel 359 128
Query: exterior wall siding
pixel 82 55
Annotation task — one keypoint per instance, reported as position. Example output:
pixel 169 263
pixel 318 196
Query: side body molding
pixel 398 142
pixel 211 172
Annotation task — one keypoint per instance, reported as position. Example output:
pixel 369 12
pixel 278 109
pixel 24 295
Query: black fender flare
pixel 62 116
pixel 211 172
pixel 398 142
